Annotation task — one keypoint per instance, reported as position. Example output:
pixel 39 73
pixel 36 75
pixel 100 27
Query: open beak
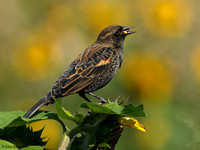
pixel 126 30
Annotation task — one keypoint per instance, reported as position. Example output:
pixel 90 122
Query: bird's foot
pixel 102 100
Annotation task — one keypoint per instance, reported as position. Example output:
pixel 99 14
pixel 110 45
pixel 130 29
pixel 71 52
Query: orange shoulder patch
pixel 104 62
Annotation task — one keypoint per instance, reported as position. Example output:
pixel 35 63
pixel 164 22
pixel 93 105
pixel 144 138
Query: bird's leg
pixel 96 96
pixel 82 94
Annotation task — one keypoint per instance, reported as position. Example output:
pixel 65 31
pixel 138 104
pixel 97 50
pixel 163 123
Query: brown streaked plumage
pixel 91 70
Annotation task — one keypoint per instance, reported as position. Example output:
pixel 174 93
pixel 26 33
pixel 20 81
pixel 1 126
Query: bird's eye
pixel 118 32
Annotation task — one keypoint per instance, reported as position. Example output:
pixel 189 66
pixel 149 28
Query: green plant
pixel 99 129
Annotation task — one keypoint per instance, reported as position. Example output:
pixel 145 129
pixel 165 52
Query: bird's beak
pixel 126 30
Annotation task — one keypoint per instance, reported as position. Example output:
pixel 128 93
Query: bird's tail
pixel 44 101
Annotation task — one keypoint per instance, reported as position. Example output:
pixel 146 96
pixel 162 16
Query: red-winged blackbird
pixel 91 70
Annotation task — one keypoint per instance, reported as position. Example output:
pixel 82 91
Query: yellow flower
pixel 52 131
pixel 36 57
pixel 132 123
pixel 170 18
pixel 33 61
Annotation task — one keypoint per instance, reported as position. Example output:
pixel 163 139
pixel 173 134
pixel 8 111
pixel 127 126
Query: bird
pixel 91 70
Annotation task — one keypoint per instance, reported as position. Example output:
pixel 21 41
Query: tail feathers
pixel 38 105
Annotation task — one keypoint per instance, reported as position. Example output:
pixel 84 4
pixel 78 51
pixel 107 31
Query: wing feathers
pixel 90 65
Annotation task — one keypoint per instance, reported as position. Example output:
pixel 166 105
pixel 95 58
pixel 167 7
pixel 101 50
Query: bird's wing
pixel 92 63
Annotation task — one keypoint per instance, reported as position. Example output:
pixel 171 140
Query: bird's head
pixel 114 35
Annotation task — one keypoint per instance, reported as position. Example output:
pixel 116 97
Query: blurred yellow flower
pixel 32 62
pixel 52 131
pixel 195 61
pixel 147 75
pixel 100 14
pixel 42 49
pixel 167 18
pixel 35 57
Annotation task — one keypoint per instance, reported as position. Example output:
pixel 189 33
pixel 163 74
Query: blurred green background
pixel 161 67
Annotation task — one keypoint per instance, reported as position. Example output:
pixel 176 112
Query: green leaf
pixel 99 108
pixel 63 113
pixel 33 148
pixel 115 109
pixel 22 136
pixel 133 111
pixel 7 117
pixel 7 145
pixel 104 145
pixel 15 118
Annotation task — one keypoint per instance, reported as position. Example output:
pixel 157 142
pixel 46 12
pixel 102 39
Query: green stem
pixel 65 142
pixel 74 131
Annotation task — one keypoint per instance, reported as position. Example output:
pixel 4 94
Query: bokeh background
pixel 161 67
